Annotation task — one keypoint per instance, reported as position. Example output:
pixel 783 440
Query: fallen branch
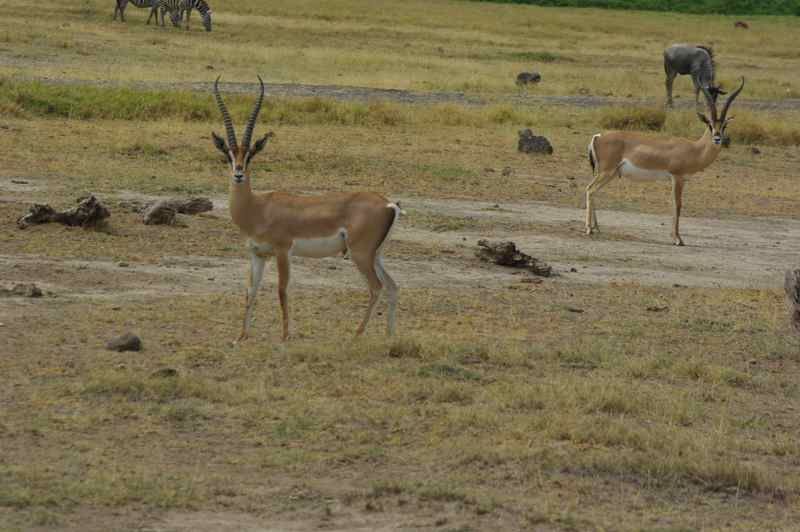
pixel 505 253
pixel 89 213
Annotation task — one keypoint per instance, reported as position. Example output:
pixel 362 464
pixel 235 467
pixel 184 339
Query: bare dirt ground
pixel 632 248
pixel 349 93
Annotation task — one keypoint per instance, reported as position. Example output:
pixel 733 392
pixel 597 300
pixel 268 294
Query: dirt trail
pixel 633 247
pixel 350 93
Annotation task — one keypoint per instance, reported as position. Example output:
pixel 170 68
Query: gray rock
pixel 126 342
pixel 530 143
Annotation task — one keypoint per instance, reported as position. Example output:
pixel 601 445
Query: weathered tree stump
pixel 792 287
pixel 530 143
pixel 89 213
pixel 505 253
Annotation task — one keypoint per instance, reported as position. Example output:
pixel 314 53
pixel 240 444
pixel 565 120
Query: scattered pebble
pixel 165 373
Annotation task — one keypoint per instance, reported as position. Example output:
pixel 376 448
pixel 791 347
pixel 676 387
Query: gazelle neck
pixel 241 201
pixel 707 151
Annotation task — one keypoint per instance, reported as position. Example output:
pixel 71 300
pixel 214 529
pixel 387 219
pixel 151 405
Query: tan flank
pixel 280 224
pixel 637 156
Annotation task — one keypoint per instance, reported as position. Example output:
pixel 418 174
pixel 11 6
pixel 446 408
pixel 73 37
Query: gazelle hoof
pixel 678 242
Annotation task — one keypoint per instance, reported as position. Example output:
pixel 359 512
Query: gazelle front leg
pixel 257 263
pixel 677 197
pixel 283 283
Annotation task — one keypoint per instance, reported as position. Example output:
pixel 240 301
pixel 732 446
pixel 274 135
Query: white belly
pixel 321 247
pixel 631 171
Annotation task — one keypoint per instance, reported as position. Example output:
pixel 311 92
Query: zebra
pixel 122 4
pixel 171 6
pixel 176 9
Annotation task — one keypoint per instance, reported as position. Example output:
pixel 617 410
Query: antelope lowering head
pixel 239 155
pixel 717 123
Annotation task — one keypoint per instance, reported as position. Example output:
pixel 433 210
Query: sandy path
pixel 738 253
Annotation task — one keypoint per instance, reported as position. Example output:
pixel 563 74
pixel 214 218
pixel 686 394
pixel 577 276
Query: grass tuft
pixel 633 118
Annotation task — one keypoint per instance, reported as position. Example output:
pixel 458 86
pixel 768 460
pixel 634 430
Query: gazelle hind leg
pixel 366 264
pixel 391 296
pixel 257 264
pixel 599 182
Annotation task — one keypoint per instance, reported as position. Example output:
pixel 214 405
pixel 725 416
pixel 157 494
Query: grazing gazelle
pixel 641 157
pixel 280 224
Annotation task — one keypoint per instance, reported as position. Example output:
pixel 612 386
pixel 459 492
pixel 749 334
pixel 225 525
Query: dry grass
pixel 497 408
pixel 446 45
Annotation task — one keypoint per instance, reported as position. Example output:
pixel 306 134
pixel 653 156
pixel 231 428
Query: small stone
pixel 755 151
pixel 507 171
pixel 573 270
pixel 123 264
pixel 126 342
pixel 165 373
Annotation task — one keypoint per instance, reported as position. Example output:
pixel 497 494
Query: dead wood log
pixel 89 213
pixel 792 287
pixel 160 213
pixel 505 253
pixel 163 212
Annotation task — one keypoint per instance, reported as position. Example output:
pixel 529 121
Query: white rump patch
pixel 631 171
pixel 321 247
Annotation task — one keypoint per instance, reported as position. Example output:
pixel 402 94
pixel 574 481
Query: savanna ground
pixel 653 388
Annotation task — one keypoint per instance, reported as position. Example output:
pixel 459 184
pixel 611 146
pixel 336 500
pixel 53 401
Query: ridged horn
pixel 226 117
pixel 711 104
pixel 730 99
pixel 251 122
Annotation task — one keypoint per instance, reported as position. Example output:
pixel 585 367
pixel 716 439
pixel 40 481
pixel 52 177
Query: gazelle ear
pixel 704 119
pixel 219 142
pixel 260 144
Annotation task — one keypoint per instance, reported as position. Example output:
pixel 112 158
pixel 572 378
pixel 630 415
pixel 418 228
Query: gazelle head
pixel 717 123
pixel 239 156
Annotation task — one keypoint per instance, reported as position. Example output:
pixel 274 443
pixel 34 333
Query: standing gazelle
pixel 641 157
pixel 281 225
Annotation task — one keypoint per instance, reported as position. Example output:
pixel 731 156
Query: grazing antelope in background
pixel 642 157
pixel 280 224
pixel 695 61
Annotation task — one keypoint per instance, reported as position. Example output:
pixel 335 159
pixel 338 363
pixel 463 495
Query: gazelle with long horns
pixel 280 224
pixel 641 157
